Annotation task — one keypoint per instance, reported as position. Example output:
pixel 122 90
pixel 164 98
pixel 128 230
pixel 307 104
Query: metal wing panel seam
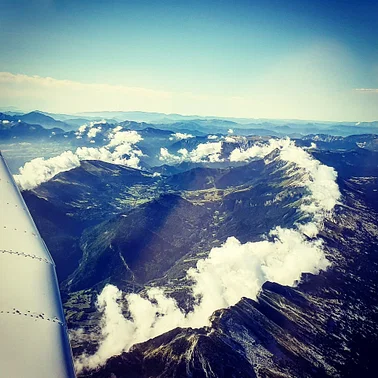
pixel 23 254
pixel 31 315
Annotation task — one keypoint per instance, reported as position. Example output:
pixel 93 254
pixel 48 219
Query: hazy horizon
pixel 245 59
pixel 90 114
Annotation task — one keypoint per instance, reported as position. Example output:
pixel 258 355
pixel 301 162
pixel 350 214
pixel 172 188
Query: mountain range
pixel 195 124
pixel 157 220
pixel 109 224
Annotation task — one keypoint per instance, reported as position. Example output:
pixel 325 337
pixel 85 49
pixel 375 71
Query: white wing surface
pixel 33 333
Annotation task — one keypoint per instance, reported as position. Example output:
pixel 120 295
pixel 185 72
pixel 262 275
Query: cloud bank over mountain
pixel 204 152
pixel 121 149
pixel 232 270
pixel 319 179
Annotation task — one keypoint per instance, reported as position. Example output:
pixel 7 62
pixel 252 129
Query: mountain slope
pixel 326 327
pixel 85 196
pixel 141 245
pixel 97 190
pixel 165 236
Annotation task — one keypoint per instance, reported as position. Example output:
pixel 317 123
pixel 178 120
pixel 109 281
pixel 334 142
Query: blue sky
pixel 274 59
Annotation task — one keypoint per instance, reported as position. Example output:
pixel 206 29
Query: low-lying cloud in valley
pixel 234 269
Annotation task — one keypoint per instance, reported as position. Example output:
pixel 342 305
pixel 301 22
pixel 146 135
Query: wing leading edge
pixel 33 334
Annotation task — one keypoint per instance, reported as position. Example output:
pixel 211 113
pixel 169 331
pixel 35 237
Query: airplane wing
pixel 33 334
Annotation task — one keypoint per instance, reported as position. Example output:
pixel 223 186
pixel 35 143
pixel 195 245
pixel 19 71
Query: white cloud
pixel 93 132
pixel 234 270
pixel 181 136
pixel 237 270
pixel 258 150
pixel 230 272
pixel 116 129
pixel 204 152
pixel 229 139
pixel 81 129
pixel 207 151
pixel 115 330
pixel 92 128
pixel 319 179
pixel 120 150
pixel 212 137
pixel 124 137
pixel 39 170
pixel 170 158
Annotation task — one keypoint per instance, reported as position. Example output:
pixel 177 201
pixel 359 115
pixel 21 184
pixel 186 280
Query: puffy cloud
pixel 312 146
pixel 181 136
pixel 93 132
pixel 230 140
pixel 92 153
pixel 81 129
pixel 237 270
pixel 230 272
pixel 149 317
pixel 124 137
pixel 230 131
pixel 120 150
pixel 258 150
pixel 169 158
pixel 204 152
pixel 212 137
pixel 234 270
pixel 207 151
pixel 92 128
pixel 40 170
pixel 116 129
pixel 115 329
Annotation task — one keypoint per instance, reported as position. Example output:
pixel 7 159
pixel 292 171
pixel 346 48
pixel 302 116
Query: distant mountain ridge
pixel 201 124
pixel 48 122
pixel 25 131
